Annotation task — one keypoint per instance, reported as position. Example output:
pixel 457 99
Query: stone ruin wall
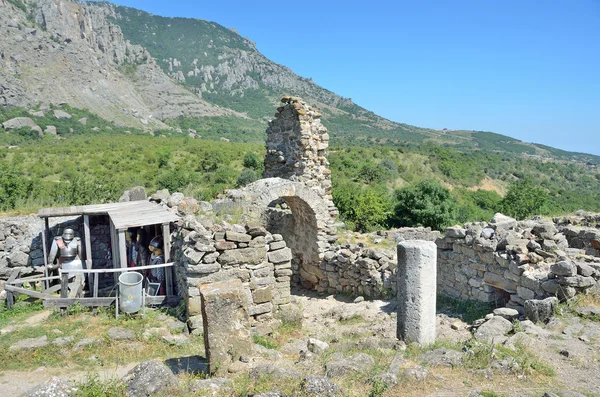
pixel 509 262
pixel 257 258
pixel 297 145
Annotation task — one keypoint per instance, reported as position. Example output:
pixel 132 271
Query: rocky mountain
pixel 151 72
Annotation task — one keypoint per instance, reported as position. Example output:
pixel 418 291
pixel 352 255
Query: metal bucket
pixel 130 292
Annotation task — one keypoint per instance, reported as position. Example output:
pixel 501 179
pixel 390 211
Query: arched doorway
pixel 302 217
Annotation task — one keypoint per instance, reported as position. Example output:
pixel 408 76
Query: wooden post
pixel 114 248
pixel 167 252
pixel 122 249
pixel 45 284
pixel 88 247
pixel 64 284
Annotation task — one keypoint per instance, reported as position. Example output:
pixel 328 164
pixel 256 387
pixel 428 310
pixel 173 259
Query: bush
pixel 524 199
pixel 366 208
pixel 246 176
pixel 427 204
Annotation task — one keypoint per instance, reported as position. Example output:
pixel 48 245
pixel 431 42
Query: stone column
pixel 416 291
pixel 227 333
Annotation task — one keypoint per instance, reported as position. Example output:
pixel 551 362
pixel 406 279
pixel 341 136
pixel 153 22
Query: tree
pixel 253 162
pixel 365 208
pixel 524 199
pixel 426 204
pixel 246 176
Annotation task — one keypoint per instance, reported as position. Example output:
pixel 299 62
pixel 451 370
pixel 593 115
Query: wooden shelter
pixel 121 217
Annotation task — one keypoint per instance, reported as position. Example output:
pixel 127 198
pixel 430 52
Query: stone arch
pixel 304 221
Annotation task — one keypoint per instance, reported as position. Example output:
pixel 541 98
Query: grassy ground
pixel 80 323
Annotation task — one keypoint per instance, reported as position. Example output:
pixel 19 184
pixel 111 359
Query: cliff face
pixel 58 51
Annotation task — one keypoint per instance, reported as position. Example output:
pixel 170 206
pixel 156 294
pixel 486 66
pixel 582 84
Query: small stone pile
pixel 219 252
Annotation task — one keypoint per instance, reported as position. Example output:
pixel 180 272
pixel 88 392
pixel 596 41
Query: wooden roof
pixel 123 215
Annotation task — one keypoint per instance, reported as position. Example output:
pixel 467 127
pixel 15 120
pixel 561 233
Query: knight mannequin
pixel 65 252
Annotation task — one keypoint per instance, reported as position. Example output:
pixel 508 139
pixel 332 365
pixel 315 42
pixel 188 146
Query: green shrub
pixel 427 204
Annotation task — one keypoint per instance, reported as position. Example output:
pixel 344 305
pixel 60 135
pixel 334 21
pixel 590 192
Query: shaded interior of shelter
pixel 295 220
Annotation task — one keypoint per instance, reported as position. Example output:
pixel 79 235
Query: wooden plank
pixel 13 276
pixel 118 270
pixel 66 302
pixel 28 280
pixel 45 227
pixel 25 291
pixel 105 301
pixel 96 277
pixel 114 247
pixel 88 244
pixel 122 249
pixel 167 254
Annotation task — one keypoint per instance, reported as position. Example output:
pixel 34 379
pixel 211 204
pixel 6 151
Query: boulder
pixel 320 386
pixel 54 387
pixel 507 313
pixel 19 122
pixel 61 114
pixel 502 222
pixel 493 330
pixel 29 344
pixel 564 268
pixel 540 310
pixel 147 379
pixel 50 130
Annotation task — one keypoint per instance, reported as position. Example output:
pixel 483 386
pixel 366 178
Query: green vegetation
pixel 426 204
pixel 19 4
pixel 93 386
pixel 524 199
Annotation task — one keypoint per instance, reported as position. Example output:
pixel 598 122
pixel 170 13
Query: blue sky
pixel 527 69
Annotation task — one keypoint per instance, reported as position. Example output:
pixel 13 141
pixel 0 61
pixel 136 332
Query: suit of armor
pixel 65 251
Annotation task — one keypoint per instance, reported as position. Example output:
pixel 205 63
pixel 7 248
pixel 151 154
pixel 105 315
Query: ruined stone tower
pixel 297 148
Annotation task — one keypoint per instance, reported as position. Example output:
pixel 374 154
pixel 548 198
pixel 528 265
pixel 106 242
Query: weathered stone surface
pixel 585 270
pixel 577 281
pixel 442 357
pixel 213 384
pixel 499 281
pixel 204 268
pixel 278 371
pixel 117 333
pixel 18 122
pixel 148 378
pixel 54 387
pixel 502 222
pixel 316 346
pixel 29 344
pixel 540 310
pixel 494 330
pixel 225 245
pixel 226 324
pixel 250 256
pixel 564 268
pixel 279 256
pixel 320 386
pixel 416 284
pixel 262 295
pixel 237 237
pixel 507 313
pixel 61 114
pixel 340 365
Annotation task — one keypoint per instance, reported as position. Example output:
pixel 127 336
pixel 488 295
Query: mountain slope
pixel 150 72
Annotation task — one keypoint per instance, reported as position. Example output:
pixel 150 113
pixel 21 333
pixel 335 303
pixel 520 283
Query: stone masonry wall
pixel 297 147
pixel 210 253
pixel 511 262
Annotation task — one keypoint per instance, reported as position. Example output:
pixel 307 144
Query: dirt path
pixel 15 383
